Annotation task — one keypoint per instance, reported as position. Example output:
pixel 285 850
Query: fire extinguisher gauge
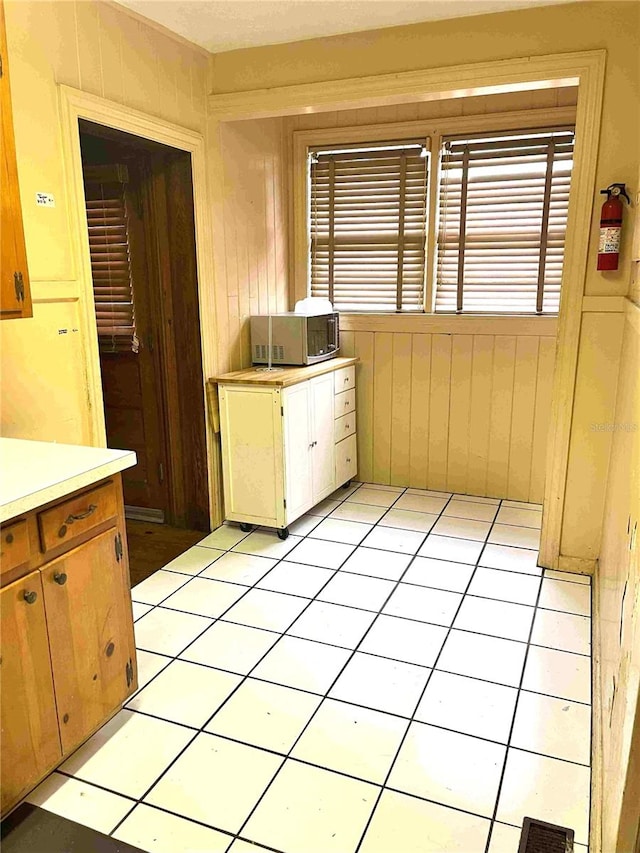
pixel 616 190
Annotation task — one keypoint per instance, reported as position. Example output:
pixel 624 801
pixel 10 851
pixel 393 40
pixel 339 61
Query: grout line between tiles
pixel 244 677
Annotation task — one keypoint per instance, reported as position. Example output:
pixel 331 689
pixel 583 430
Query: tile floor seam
pixel 513 722
pixel 326 695
pixel 412 720
pixel 201 730
pixel 254 585
pixel 378 613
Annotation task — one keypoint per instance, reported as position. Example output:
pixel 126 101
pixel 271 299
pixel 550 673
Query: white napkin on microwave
pixel 313 305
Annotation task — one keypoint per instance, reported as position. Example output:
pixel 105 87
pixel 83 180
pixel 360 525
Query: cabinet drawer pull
pixel 91 509
pixel 30 596
pixel 60 578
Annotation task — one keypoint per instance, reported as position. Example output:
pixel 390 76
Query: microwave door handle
pixel 334 344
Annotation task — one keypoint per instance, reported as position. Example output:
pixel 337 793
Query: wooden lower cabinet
pixel 30 737
pixel 90 635
pixel 67 659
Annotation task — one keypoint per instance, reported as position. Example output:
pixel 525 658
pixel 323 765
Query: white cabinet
pixel 285 447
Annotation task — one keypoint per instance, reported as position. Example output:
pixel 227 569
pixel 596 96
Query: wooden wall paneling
pixel 522 418
pixel 480 414
pixel 501 406
pixel 420 400
pixel 88 35
pixel 459 410
pixel 364 349
pixel 139 68
pixel 347 344
pixel 110 58
pixel 382 399
pixel 266 273
pixel 439 411
pixel 219 225
pixel 544 385
pixel 168 60
pixel 401 411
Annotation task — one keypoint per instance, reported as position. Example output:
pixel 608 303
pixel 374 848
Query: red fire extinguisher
pixel 611 226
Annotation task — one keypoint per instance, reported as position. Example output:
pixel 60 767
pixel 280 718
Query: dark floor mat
pixel 30 829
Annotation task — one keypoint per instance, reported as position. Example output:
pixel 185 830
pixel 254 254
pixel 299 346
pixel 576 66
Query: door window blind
pixel 367 226
pixel 110 258
pixel 503 206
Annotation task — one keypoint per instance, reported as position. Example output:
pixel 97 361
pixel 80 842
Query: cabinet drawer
pixel 66 521
pixel 14 545
pixel 345 403
pixel 346 460
pixel 345 379
pixel 345 426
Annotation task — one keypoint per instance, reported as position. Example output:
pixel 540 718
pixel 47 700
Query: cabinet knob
pixel 348 459
pixel 60 578
pixel 8 538
pixel 30 596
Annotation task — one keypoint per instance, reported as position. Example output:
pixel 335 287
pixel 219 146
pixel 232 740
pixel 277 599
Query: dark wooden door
pixel 154 391
pixel 131 373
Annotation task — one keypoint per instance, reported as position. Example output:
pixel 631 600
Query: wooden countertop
pixel 33 473
pixel 284 377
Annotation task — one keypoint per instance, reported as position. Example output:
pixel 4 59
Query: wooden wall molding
pixel 603 304
pixel 454 81
pixel 74 105
pixel 450 324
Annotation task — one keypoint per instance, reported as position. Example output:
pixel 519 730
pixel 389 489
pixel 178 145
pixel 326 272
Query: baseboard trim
pixel 143 513
pixel 578 565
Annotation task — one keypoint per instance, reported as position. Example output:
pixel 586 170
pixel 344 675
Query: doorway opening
pixel 140 221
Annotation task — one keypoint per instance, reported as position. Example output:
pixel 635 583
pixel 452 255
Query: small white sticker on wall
pixel 45 200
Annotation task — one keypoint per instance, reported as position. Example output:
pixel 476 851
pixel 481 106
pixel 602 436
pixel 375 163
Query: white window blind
pixel 367 226
pixel 503 206
pixel 110 258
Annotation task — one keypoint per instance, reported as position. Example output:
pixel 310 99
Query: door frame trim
pixel 586 69
pixel 75 105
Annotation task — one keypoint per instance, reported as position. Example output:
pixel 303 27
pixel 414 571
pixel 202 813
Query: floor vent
pixel 540 837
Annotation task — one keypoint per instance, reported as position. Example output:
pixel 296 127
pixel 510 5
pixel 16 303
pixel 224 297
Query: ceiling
pixel 221 25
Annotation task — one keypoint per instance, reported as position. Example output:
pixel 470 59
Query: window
pixel 502 218
pixel 106 206
pixel 367 225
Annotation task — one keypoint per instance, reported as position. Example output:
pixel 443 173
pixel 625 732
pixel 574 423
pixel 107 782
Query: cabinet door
pixel 252 462
pixel 88 606
pixel 322 435
pixel 297 448
pixel 15 296
pixel 29 738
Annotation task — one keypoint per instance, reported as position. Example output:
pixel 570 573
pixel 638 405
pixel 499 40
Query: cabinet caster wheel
pixel 283 533
pixel 245 527
pixel 346 485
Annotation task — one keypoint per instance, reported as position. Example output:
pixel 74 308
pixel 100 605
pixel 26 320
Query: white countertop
pixel 32 473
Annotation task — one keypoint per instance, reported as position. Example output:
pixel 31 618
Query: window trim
pixel 433 129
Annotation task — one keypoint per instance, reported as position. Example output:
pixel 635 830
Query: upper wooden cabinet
pixel 15 292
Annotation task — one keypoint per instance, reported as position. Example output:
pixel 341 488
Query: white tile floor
pixel 397 677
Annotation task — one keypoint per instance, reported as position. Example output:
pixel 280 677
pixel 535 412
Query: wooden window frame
pixel 434 130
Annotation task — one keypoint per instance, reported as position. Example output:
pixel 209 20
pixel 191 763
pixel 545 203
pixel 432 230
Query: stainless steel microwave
pixel 295 338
